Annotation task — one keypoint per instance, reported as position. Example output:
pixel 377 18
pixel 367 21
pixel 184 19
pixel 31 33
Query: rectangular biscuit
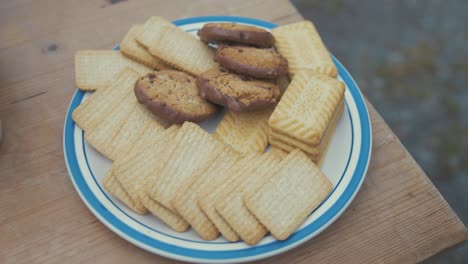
pixel 144 135
pixel 297 117
pixel 245 132
pixel 195 149
pixel 96 69
pixel 151 138
pixel 110 183
pixel 176 47
pixel 102 102
pixel 208 197
pixel 282 202
pixel 301 44
pixel 142 166
pixel 101 136
pixel 129 132
pixel 230 205
pixel 315 152
pixel 130 48
pixel 186 200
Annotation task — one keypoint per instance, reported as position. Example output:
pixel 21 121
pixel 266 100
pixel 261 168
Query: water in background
pixel 410 58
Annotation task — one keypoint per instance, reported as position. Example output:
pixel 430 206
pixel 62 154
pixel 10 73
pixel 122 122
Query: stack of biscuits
pixel 149 95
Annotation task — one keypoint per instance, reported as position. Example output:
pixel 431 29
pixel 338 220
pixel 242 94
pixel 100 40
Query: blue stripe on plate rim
pixel 248 254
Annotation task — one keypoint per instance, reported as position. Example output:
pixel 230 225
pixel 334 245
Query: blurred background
pixel 410 58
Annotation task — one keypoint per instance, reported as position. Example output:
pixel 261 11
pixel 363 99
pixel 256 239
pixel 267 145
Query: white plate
pixel 345 164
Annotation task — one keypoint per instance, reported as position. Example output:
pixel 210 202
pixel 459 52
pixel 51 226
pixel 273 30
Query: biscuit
pixel 195 150
pixel 110 183
pixel 130 132
pixel 232 33
pixel 176 47
pixel 97 69
pixel 186 199
pixel 137 172
pixel 283 201
pixel 130 48
pixel 315 152
pixel 173 95
pixel 255 62
pixel 245 132
pixel 216 187
pixel 237 92
pixel 296 117
pixel 101 136
pixel 132 182
pixel 102 102
pixel 301 44
pixel 231 206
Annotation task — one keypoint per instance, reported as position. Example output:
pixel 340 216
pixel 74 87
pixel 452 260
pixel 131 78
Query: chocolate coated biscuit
pixel 237 92
pixel 172 95
pixel 259 63
pixel 236 34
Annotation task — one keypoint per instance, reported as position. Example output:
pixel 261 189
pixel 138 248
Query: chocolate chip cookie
pixel 237 92
pixel 236 34
pixel 173 95
pixel 256 62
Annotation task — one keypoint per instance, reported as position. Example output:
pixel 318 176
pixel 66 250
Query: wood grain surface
pixel 397 217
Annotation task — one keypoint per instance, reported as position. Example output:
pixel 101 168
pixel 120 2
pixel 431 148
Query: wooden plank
pixel 397 217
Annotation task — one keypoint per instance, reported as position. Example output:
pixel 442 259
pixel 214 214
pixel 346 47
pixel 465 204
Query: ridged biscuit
pixel 144 133
pixel 112 185
pixel 176 47
pixel 187 196
pixel 314 152
pixel 236 92
pixel 245 132
pixel 307 107
pixel 232 33
pixel 301 44
pixel 130 48
pixel 130 132
pixel 97 69
pixel 101 136
pixel 153 135
pixel 143 166
pixel 255 62
pixel 102 102
pixel 195 149
pixel 230 205
pixel 174 96
pixel 215 188
pixel 283 201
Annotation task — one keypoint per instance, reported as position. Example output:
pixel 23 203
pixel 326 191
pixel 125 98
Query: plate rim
pixel 180 253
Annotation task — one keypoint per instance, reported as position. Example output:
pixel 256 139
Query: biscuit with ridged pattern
pixel 102 102
pixel 229 203
pixel 176 47
pixel 307 107
pixel 186 200
pixel 195 149
pixel 301 44
pixel 97 69
pixel 283 201
pixel 209 196
pixel 112 185
pixel 130 48
pixel 245 132
pixel 142 166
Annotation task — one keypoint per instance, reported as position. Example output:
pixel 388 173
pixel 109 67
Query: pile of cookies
pixel 149 94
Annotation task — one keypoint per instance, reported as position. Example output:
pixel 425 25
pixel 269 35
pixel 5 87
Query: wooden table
pixel 397 217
